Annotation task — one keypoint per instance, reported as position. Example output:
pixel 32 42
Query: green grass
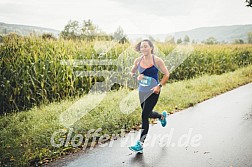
pixel 25 136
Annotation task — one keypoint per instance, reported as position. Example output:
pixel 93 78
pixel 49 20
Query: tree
pixel 1 39
pixel 239 41
pixel 170 39
pixel 90 32
pixel 48 36
pixel 249 3
pixel 194 42
pixel 89 29
pixel 179 41
pixel 186 39
pixel 151 38
pixel 119 35
pixel 211 41
pixel 250 37
pixel 70 30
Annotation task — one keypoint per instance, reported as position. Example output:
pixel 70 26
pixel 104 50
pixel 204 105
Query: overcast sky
pixel 135 16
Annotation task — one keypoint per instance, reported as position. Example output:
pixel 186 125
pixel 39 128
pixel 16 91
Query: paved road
pixel 216 132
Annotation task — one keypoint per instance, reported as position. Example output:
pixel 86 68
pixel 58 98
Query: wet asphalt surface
pixel 216 132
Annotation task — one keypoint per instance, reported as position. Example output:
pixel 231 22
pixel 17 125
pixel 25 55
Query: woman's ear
pixel 152 50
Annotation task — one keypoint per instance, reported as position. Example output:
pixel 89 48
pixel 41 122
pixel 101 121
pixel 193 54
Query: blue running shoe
pixel 137 148
pixel 163 121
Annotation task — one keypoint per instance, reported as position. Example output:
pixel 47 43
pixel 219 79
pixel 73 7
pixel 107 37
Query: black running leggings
pixel 148 102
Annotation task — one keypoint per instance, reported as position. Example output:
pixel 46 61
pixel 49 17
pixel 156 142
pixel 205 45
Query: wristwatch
pixel 160 85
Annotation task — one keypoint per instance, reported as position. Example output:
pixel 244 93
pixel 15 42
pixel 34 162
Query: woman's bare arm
pixel 134 67
pixel 163 69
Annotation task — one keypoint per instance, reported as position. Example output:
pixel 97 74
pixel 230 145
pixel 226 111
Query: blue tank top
pixel 150 79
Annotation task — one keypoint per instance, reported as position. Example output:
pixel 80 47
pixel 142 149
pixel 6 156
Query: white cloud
pixel 149 16
pixel 160 7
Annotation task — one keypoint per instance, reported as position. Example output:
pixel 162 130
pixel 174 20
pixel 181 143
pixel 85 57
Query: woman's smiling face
pixel 145 48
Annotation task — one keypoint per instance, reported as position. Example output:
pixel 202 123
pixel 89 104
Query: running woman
pixel 149 88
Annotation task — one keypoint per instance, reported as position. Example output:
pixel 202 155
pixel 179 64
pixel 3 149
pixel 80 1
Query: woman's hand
pixel 156 89
pixel 140 77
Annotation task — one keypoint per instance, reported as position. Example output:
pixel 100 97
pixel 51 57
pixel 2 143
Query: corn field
pixel 36 71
